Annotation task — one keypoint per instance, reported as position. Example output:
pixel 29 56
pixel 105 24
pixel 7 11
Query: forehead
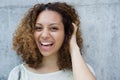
pixel 49 16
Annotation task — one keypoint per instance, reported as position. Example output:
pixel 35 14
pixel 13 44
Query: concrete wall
pixel 100 22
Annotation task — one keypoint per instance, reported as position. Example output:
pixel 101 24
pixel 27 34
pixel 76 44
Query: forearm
pixel 80 69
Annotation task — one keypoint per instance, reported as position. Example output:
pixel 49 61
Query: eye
pixel 38 28
pixel 54 28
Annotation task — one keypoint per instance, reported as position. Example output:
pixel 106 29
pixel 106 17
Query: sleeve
pixel 91 69
pixel 13 75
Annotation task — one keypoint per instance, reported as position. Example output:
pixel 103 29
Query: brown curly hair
pixel 24 43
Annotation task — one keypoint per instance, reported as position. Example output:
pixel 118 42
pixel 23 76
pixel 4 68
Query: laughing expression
pixel 49 32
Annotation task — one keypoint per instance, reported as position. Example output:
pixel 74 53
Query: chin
pixel 47 54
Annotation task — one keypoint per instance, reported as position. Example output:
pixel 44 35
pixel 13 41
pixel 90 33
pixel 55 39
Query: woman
pixel 49 41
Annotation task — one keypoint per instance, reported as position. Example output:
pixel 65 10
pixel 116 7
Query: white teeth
pixel 46 43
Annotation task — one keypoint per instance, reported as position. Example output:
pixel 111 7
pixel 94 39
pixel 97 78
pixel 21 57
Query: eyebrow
pixel 38 24
pixel 49 24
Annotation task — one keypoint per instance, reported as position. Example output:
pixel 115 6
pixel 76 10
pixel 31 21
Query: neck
pixel 49 61
pixel 49 64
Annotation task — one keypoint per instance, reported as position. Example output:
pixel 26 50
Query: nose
pixel 45 34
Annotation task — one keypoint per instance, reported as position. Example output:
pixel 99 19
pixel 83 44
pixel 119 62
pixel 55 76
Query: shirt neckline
pixel 40 74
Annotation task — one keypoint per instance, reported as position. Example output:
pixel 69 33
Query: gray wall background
pixel 100 23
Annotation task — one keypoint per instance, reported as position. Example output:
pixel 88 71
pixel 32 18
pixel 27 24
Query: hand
pixel 73 42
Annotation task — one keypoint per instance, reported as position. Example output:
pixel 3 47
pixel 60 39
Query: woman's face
pixel 49 32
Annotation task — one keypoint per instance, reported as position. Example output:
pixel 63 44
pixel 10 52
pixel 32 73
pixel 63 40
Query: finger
pixel 75 27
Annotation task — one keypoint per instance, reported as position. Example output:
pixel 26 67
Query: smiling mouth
pixel 46 44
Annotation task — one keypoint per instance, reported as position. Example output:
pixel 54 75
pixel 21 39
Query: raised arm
pixel 80 69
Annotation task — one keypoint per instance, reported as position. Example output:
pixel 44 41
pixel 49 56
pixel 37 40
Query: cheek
pixel 36 35
pixel 60 37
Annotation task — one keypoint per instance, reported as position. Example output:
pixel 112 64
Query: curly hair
pixel 24 43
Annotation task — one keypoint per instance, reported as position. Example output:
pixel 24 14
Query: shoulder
pixel 13 75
